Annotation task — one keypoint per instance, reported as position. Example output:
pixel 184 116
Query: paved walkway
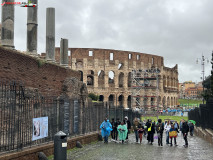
pixel 198 149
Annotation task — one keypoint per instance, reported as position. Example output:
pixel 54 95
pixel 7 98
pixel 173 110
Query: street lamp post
pixel 203 59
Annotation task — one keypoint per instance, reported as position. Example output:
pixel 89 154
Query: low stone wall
pixel 48 149
pixel 206 134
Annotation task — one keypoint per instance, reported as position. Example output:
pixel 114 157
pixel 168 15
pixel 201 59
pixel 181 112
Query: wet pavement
pixel 198 149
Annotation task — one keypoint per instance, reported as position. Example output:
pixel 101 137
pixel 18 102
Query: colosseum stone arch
pixel 108 73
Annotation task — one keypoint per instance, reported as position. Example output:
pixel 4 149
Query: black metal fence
pixel 203 115
pixel 19 105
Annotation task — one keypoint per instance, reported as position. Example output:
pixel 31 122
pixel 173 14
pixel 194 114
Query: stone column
pixel 7 20
pixel 50 34
pixel 64 52
pixel 95 79
pixel 106 80
pixel 125 101
pixel 32 26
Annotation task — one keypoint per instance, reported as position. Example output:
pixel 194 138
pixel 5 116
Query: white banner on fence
pixel 40 128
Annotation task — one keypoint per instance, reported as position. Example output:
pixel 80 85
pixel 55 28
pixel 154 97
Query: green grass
pixel 175 118
pixel 189 101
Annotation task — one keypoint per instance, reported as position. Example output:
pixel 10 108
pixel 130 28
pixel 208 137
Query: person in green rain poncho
pixel 122 131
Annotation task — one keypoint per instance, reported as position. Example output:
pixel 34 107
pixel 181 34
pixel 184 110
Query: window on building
pixel 138 57
pixel 111 57
pixel 130 56
pixel 90 53
pixel 69 53
pixel 152 60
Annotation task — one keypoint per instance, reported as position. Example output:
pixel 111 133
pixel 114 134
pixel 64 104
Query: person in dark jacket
pixel 151 131
pixel 159 130
pixel 117 123
pixel 114 129
pixel 185 130
pixel 128 124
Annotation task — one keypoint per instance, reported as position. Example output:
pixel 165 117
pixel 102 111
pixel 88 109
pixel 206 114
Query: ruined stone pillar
pixel 125 82
pixel 125 101
pixel 32 26
pixel 116 80
pixel 50 34
pixel 7 20
pixel 106 80
pixel 95 79
pixel 64 52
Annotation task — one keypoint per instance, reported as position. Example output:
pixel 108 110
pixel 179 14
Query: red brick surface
pixel 47 77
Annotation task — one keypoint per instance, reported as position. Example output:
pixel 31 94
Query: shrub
pixel 93 96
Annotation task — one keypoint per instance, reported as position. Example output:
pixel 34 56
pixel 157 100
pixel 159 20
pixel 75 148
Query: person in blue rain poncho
pixel 106 128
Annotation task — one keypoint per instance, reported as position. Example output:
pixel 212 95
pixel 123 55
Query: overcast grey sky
pixel 178 30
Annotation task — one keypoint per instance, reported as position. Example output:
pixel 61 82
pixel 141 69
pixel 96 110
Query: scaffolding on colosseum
pixel 145 85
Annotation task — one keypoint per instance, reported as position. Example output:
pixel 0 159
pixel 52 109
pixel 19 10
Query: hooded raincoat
pixel 122 132
pixel 106 128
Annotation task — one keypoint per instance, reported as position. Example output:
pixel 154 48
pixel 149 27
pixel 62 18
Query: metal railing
pixel 19 105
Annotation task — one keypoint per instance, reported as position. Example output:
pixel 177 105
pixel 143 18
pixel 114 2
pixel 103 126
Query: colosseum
pixel 108 73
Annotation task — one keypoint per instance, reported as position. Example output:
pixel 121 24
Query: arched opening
pixel 164 81
pixel 164 102
pixel 172 101
pixel 79 65
pixel 120 66
pixel 129 79
pixel 129 101
pixel 152 101
pixel 101 81
pixel 90 78
pixel 121 80
pixel 101 98
pixel 81 78
pixel 168 102
pixel 159 101
pixel 111 100
pixel 111 77
pixel 120 100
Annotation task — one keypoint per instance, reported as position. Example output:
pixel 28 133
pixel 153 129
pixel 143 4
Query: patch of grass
pixel 189 102
pixel 175 118
pixel 50 157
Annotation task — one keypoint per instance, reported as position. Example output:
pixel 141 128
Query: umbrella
pixel 192 121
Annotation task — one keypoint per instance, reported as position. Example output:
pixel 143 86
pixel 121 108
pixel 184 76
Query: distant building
pixel 190 90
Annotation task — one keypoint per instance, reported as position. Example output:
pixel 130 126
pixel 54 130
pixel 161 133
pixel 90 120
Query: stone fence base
pixel 48 149
pixel 206 134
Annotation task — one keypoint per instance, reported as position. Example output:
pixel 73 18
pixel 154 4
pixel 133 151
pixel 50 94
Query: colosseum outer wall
pixel 96 64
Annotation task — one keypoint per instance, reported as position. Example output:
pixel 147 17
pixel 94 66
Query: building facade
pixel 107 73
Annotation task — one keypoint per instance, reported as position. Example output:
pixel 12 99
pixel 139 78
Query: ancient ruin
pixel 108 73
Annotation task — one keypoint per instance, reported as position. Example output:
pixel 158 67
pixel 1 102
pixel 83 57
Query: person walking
pixel 167 128
pixel 151 131
pixel 191 128
pixel 140 132
pixel 117 123
pixel 113 129
pixel 128 125
pixel 159 130
pixel 135 127
pixel 122 131
pixel 173 134
pixel 185 130
pixel 106 128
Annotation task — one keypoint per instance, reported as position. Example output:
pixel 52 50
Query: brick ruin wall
pixel 48 78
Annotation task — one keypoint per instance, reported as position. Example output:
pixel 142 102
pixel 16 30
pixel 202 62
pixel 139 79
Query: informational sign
pixel 40 128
